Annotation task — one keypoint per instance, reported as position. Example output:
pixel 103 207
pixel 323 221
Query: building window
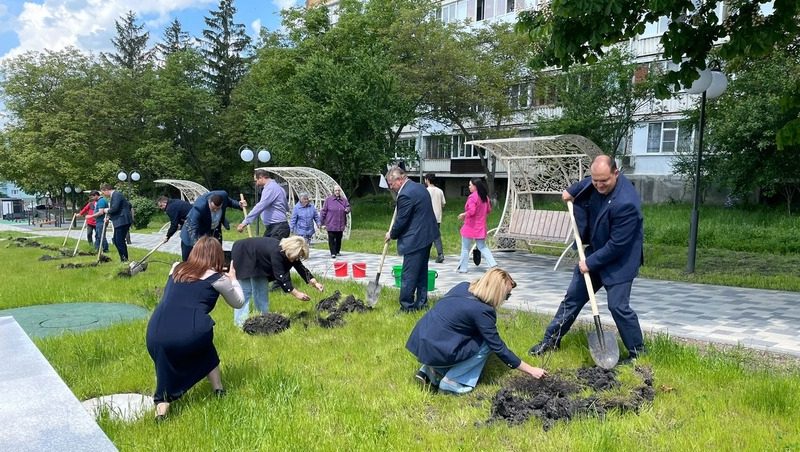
pixel 519 96
pixel 668 136
pixel 486 9
pixel 404 148
pixel 452 12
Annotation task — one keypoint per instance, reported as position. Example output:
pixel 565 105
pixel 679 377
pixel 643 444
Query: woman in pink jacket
pixel 474 229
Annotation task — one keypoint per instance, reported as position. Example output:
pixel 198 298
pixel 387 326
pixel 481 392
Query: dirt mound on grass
pixel 336 309
pixel 269 323
pixel 557 396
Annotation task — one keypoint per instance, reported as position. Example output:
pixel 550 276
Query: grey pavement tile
pixel 764 319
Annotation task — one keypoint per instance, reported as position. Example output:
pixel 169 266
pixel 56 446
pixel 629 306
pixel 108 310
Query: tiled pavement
pixel 761 319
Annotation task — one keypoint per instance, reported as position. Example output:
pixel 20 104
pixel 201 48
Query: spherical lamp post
pixel 712 86
pixel 247 155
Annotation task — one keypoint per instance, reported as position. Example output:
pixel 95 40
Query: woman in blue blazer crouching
pixel 454 338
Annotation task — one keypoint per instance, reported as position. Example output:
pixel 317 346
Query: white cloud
pixel 86 24
pixel 284 4
pixel 255 26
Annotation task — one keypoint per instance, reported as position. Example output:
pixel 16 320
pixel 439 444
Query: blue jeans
pixel 97 234
pixel 467 372
pixel 619 297
pixel 466 246
pixel 257 287
pixel 414 279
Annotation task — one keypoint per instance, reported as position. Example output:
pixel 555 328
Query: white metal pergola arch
pixel 190 191
pixel 536 166
pixel 318 185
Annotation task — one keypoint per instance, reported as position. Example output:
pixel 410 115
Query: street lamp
pixel 122 176
pixel 711 84
pixel 67 191
pixel 248 155
pixel 134 176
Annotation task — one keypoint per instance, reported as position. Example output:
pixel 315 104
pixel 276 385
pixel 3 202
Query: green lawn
pixel 351 388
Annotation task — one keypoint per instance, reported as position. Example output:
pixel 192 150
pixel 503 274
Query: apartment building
pixel 649 151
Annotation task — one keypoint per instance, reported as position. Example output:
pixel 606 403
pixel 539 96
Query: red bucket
pixel 359 270
pixel 340 268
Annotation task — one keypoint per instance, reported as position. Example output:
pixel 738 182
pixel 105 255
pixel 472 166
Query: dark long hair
pixel 480 187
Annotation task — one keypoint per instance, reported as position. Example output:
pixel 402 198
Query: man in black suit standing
pixel 121 217
pixel 415 229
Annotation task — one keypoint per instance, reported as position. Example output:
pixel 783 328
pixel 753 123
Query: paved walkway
pixel 761 319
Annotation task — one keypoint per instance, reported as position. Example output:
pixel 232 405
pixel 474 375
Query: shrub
pixel 144 209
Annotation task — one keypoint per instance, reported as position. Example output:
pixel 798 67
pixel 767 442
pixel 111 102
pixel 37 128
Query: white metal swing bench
pixel 537 166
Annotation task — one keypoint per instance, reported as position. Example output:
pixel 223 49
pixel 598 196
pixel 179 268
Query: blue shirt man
pixel 272 207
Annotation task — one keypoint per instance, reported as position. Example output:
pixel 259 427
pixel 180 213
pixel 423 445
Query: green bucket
pixel 397 272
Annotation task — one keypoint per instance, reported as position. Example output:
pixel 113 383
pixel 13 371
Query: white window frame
pixel 674 133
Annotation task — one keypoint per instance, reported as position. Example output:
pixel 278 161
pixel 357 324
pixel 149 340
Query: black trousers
pixel 335 241
pixel 277 230
pixel 119 240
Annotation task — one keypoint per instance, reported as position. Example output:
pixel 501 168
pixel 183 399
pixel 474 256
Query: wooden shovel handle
pixel 582 256
pixel 244 209
pixel 386 244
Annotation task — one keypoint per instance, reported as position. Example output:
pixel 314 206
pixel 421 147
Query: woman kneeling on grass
pixel 180 334
pixel 454 338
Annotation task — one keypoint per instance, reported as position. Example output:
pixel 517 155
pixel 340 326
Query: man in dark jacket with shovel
pixel 609 217
pixel 415 229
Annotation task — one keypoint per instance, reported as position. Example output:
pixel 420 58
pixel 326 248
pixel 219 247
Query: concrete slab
pixel 38 412
pixel 124 407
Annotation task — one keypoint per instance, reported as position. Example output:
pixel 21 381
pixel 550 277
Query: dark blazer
pixel 262 257
pixel 177 210
pixel 616 237
pixel 455 328
pixel 198 221
pixel 119 210
pixel 415 226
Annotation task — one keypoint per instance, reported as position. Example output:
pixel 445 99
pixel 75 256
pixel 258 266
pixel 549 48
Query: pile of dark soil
pixel 29 243
pixel 103 258
pixel 336 309
pixel 557 396
pixel 269 323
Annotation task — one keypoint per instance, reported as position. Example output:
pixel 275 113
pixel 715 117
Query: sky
pixel 89 24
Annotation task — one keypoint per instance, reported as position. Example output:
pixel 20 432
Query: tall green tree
pixel 564 33
pixel 226 44
pixel 337 97
pixel 174 39
pixel 602 101
pixel 741 128
pixel 475 71
pixel 131 43
pixel 46 141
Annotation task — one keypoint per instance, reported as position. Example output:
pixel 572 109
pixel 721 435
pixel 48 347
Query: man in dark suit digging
pixel 415 229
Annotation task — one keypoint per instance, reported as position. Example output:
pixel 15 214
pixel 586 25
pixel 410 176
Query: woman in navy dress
pixel 180 334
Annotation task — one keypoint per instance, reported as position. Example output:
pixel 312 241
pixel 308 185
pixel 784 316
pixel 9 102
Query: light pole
pixel 711 84
pixel 134 176
pixel 68 191
pixel 248 155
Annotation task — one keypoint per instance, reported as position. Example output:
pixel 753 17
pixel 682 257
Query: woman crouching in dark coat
pixel 454 338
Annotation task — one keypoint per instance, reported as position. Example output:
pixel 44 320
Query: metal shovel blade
pixel 136 267
pixel 373 291
pixel 603 347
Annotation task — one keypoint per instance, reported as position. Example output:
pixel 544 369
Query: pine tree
pixel 225 43
pixel 174 40
pixel 131 44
